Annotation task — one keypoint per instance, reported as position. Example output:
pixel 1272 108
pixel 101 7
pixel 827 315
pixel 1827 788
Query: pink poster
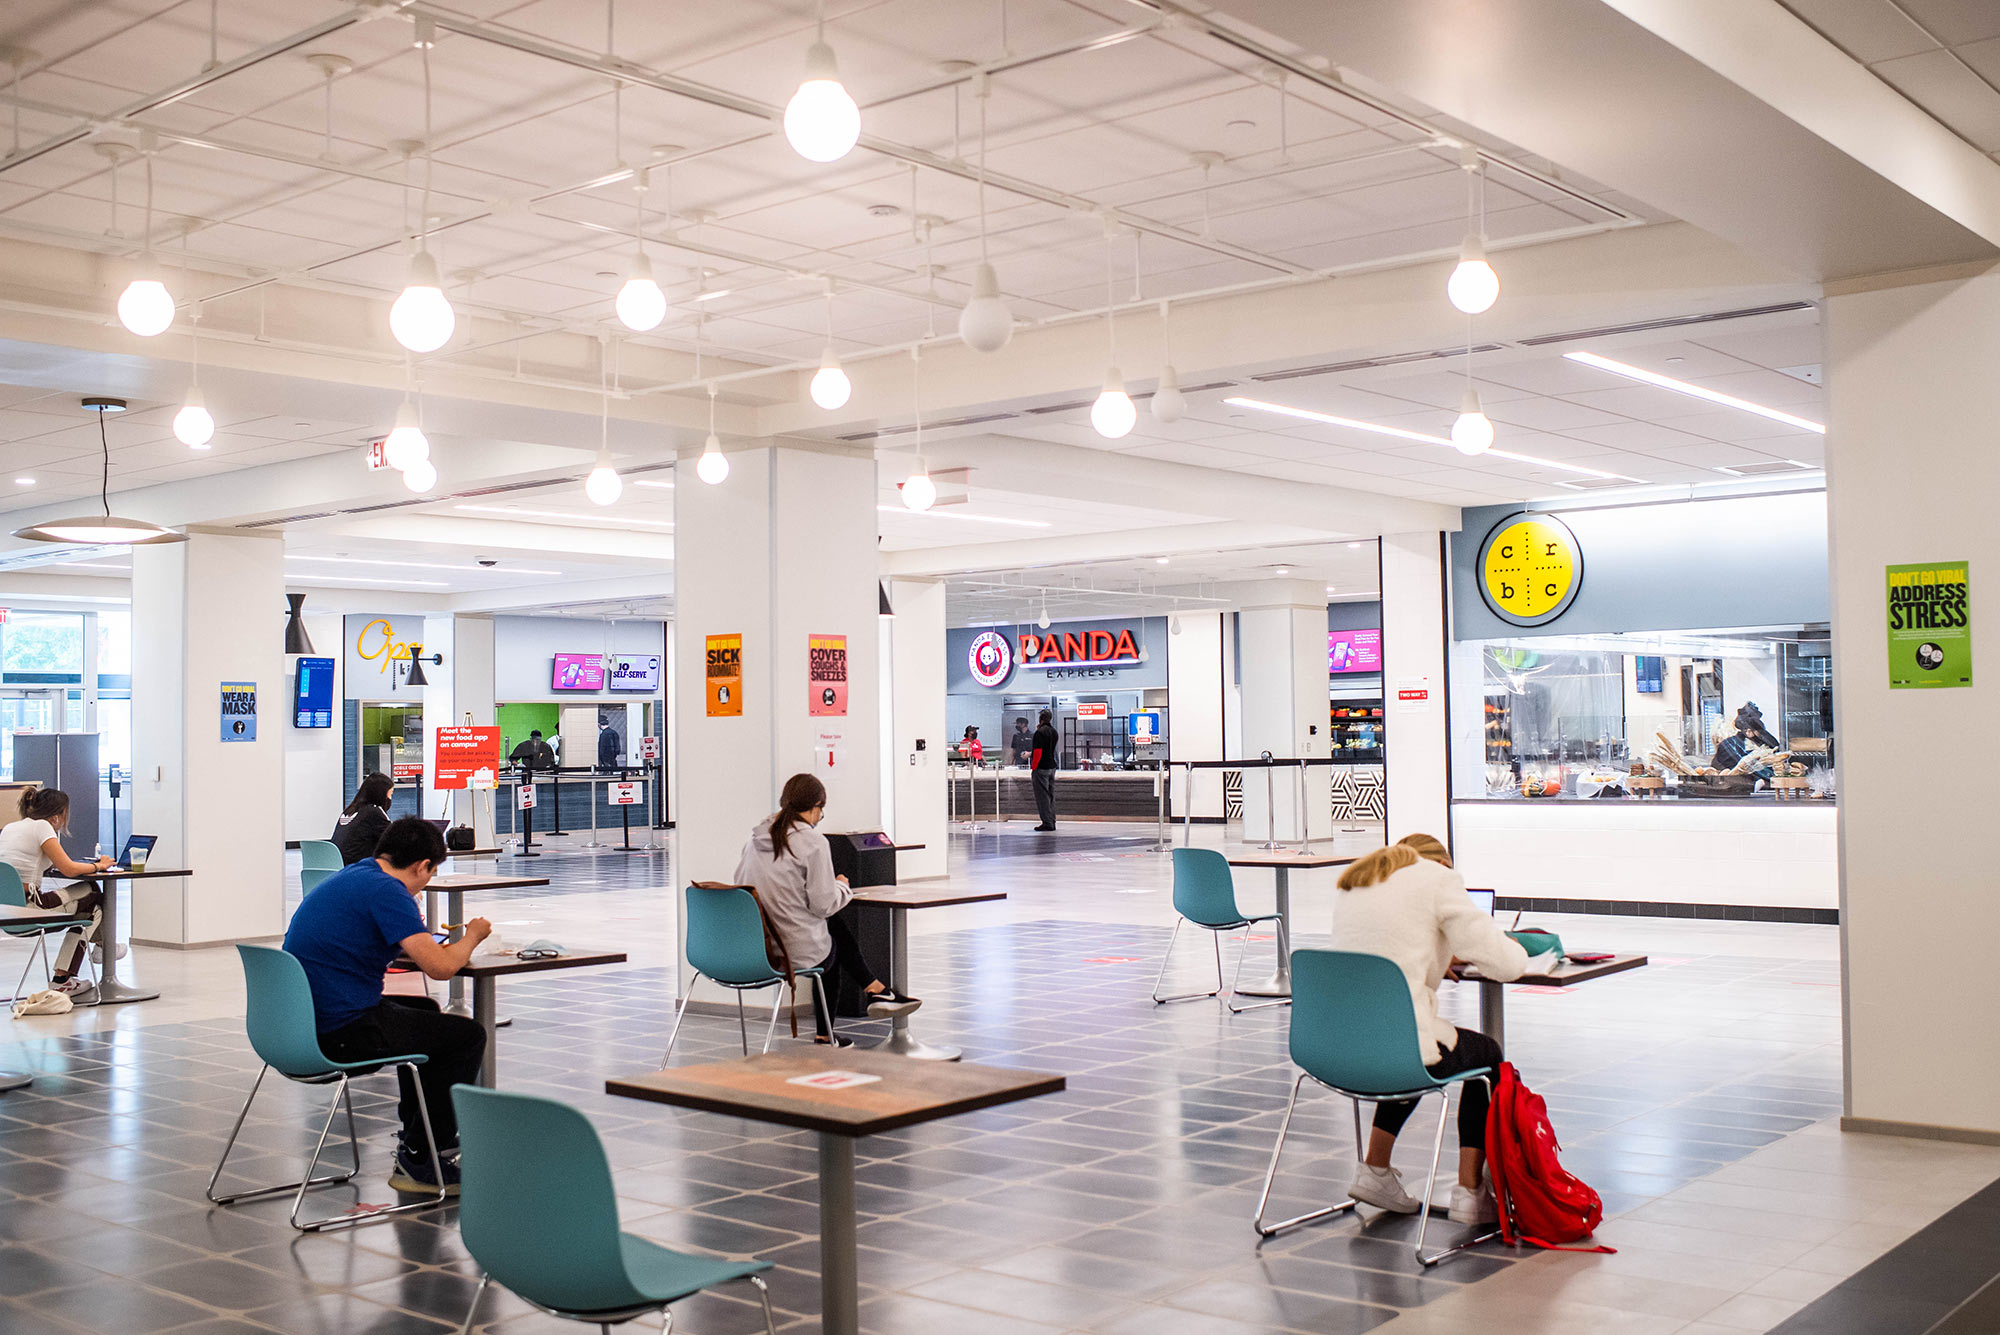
pixel 1353 651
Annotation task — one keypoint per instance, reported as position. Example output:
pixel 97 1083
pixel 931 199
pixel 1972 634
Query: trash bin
pixel 866 858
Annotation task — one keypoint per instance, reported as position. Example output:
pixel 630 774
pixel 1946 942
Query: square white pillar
pixel 918 719
pixel 1285 711
pixel 1413 685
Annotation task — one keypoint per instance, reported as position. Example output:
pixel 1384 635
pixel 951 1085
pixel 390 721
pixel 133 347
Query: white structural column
pixel 917 744
pixel 1413 684
pixel 783 549
pixel 462 686
pixel 1912 474
pixel 1195 674
pixel 1284 707
pixel 204 612
pixel 314 772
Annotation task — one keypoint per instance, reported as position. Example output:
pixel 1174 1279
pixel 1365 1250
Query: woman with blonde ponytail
pixel 1406 903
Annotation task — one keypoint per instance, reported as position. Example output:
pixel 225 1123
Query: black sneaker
pixel 413 1172
pixel 835 1042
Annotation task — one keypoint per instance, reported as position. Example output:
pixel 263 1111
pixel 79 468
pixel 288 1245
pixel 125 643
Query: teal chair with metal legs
pixel 725 944
pixel 318 859
pixel 1354 1031
pixel 13 892
pixel 278 1015
pixel 538 1211
pixel 1205 895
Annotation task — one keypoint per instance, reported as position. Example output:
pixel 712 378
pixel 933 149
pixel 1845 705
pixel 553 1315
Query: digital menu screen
pixel 635 672
pixel 577 672
pixel 312 700
pixel 1353 651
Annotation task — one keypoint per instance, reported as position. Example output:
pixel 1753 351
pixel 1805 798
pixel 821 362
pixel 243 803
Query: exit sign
pixel 3 616
pixel 378 455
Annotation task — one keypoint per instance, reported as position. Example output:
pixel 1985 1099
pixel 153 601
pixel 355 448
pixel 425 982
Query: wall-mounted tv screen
pixel 635 672
pixel 577 672
pixel 312 698
pixel 1353 651
pixel 1650 671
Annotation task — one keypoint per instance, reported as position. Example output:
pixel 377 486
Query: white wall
pixel 918 777
pixel 1413 653
pixel 1912 474
pixel 525 647
pixel 315 783
pixel 1285 709
pixel 1195 678
pixel 471 671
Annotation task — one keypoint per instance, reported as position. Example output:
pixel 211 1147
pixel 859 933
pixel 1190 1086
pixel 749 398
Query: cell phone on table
pixel 1589 956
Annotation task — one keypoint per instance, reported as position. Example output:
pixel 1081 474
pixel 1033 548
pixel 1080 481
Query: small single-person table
pixel 861 1093
pixel 1281 862
pixel 487 971
pixel 9 1082
pixel 110 988
pixel 899 900
pixel 1493 994
pixel 454 885
pixel 473 853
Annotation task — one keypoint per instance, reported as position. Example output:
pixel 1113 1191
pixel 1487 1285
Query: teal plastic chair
pixel 318 859
pixel 538 1212
pixel 1205 895
pixel 1354 1030
pixel 725 944
pixel 12 891
pixel 278 1015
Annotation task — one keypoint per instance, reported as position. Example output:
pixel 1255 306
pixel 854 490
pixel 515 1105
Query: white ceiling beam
pixel 1120 545
pixel 632 588
pixel 498 536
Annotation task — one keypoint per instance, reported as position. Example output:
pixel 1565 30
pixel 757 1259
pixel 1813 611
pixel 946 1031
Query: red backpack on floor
pixel 1540 1201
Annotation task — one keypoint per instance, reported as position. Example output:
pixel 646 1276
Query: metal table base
pixel 901 1040
pixel 1278 984
pixel 839 1282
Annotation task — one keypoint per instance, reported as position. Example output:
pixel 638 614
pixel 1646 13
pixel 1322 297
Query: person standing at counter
pixel 533 753
pixel 610 747
pixel 1043 772
pixel 1750 731
pixel 362 824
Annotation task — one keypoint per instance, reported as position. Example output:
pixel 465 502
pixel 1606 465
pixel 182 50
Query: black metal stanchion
pixel 625 818
pixel 527 849
pixel 555 804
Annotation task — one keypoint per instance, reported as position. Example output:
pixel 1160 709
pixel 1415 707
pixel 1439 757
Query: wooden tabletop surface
pixel 1282 857
pixel 1567 972
pixel 473 853
pixel 472 880
pixel 922 897
pixel 907 1093
pixel 499 966
pixel 146 875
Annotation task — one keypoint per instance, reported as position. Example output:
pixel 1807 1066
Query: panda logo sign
pixel 990 659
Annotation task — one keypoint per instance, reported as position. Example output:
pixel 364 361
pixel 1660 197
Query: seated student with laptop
pixel 31 845
pixel 346 933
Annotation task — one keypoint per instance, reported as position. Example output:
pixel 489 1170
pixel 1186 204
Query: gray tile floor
pixel 1120 1207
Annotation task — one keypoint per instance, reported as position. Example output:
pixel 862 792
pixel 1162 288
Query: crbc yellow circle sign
pixel 1530 569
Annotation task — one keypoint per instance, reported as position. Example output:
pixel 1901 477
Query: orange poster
pixel 725 676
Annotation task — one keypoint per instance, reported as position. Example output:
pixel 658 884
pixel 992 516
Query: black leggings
pixel 1474 1050
pixel 845 961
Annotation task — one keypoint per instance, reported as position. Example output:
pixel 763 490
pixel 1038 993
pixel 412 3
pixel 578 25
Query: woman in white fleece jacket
pixel 1405 903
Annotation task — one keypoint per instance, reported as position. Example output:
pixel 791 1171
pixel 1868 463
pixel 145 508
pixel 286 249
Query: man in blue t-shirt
pixel 346 933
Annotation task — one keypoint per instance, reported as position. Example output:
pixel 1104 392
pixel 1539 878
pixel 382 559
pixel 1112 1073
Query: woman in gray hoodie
pixel 790 864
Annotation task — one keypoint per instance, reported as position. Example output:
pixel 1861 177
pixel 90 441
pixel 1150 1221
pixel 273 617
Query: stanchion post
pixel 1160 781
pixel 555 803
pixel 591 782
pixel 527 814
pixel 1270 809
pixel 1187 810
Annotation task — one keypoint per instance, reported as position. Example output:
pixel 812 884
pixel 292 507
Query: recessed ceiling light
pixel 1675 361
pixel 1694 391
pixel 967 519
pixel 356 579
pixel 1307 414
pixel 24 482
pixel 1160 560
pixel 1281 571
pixel 1352 545
pixel 711 296
pixel 652 482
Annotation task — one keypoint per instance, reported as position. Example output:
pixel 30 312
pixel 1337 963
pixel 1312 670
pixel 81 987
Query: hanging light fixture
pixel 420 476
pixel 1042 621
pixel 422 319
pixel 821 121
pixel 194 426
pixel 985 324
pixel 296 639
pixel 145 306
pixel 603 486
pixel 406 445
pixel 1473 286
pixel 1113 414
pixel 713 466
pixel 1169 404
pixel 641 304
pixel 918 491
pixel 1472 431
pixel 106 529
pixel 830 386
pixel 883 607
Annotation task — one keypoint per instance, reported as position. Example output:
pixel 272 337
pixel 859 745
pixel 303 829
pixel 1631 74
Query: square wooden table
pixel 1281 862
pixel 454 885
pixel 899 900
pixel 1493 994
pixel 904 1093
pixel 486 972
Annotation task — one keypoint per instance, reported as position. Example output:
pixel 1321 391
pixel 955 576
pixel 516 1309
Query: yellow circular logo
pixel 1530 569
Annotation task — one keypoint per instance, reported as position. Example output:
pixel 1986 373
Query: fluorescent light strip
pixel 416 565
pixel 963 519
pixel 511 513
pixel 1307 414
pixel 357 579
pixel 652 482
pixel 1694 391
pixel 87 565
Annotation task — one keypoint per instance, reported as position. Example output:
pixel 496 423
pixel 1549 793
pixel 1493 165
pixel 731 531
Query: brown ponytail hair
pixel 801 794
pixel 49 804
pixel 1382 863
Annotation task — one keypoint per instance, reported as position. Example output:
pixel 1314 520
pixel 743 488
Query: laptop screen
pixel 138 848
pixel 1483 898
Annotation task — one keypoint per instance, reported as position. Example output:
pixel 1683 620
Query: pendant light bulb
pixel 1472 433
pixel 985 324
pixel 422 319
pixel 1473 286
pixel 821 121
pixel 919 492
pixel 146 307
pixel 713 466
pixel 420 476
pixel 1042 621
pixel 1169 404
pixel 641 304
pixel 1113 414
pixel 830 385
pixel 407 445
pixel 193 425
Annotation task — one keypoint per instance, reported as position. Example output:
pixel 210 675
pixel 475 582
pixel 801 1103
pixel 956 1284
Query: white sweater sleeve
pixel 1473 935
pixel 825 895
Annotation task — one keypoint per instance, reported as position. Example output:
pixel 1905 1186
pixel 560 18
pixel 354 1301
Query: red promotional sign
pixel 1093 709
pixel 626 794
pixel 406 770
pixel 467 758
pixel 826 675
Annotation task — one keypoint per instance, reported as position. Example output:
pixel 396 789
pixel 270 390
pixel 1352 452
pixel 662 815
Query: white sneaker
pixel 1473 1207
pixel 81 991
pixel 1382 1188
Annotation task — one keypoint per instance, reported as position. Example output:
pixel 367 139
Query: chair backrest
pixel 1354 1025
pixel 725 935
pixel 318 859
pixel 1204 890
pixel 13 892
pixel 536 1205
pixel 278 1012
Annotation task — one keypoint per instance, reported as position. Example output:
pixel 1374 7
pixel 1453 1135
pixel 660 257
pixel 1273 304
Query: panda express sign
pixel 1105 651
pixel 1077 648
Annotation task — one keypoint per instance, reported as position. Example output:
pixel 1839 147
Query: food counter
pixel 1120 795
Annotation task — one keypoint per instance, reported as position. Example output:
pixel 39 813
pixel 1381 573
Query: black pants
pixel 1474 1050
pixel 1045 795
pixel 454 1045
pixel 845 961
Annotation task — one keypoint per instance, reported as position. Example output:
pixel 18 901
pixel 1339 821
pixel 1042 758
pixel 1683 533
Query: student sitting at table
pixel 789 863
pixel 1406 903
pixel 31 847
pixel 361 825
pixel 346 933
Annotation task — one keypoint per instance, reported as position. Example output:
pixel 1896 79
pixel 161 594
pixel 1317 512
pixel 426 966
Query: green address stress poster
pixel 1930 625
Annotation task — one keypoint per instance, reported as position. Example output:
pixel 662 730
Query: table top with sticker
pixel 906 1092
